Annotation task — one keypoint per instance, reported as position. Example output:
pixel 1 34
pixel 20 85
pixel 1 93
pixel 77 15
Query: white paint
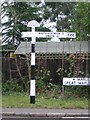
pixel 55 39
pixel 32 88
pixel 49 34
pixel 76 117
pixel 76 81
pixel 33 40
pixel 33 59
pixel 33 23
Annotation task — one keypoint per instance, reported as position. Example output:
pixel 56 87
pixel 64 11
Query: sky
pixel 1 1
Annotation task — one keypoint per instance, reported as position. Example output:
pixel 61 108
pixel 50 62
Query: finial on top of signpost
pixel 33 23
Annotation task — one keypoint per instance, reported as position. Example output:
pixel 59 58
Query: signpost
pixel 32 24
pixel 49 34
pixel 33 35
pixel 76 81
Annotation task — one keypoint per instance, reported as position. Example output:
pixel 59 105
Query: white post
pixel 32 24
pixel 32 81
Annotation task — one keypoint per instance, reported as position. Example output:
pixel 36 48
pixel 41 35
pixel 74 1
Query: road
pixel 44 114
pixel 44 118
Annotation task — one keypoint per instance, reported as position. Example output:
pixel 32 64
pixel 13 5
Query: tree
pixel 18 15
pixel 59 12
pixel 81 20
pixel 70 16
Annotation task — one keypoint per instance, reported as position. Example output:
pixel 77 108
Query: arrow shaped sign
pixel 49 34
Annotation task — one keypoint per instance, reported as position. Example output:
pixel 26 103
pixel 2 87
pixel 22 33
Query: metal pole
pixel 63 87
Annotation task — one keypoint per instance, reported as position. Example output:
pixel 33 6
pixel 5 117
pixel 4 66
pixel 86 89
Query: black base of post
pixel 32 99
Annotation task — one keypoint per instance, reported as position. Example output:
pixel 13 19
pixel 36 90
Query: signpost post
pixel 32 24
pixel 33 35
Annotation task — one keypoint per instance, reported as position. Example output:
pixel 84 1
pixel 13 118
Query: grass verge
pixel 21 100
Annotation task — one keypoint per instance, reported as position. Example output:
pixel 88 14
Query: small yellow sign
pixel 12 55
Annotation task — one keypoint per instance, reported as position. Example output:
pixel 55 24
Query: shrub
pixel 76 91
pixel 11 86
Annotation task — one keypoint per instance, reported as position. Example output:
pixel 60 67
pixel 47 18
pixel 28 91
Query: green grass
pixel 21 100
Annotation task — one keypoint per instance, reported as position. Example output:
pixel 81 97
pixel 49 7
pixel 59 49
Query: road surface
pixel 44 118
pixel 44 114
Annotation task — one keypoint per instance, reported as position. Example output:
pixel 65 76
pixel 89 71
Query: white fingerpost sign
pixel 49 34
pixel 33 34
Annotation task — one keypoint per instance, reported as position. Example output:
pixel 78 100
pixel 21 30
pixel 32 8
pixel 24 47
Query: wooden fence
pixel 56 64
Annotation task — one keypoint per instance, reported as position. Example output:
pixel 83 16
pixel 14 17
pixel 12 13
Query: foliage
pixel 42 79
pixel 70 16
pixel 53 10
pixel 72 67
pixel 11 86
pixel 18 15
pixel 53 91
pixel 77 91
pixel 81 20
pixel 44 83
